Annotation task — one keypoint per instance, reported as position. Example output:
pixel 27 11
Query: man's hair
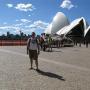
pixel 33 33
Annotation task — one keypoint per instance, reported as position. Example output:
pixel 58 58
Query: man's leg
pixel 31 60
pixel 36 61
pixel 51 47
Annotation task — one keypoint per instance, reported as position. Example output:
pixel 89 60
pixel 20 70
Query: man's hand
pixel 38 52
pixel 27 51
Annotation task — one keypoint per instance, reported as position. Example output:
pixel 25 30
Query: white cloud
pixel 23 26
pixel 67 4
pixel 36 25
pixel 29 15
pixel 17 20
pixel 19 25
pixel 25 20
pixel 39 24
pixel 0 33
pixel 22 22
pixel 10 5
pixel 28 31
pixel 5 23
pixel 8 28
pixel 25 7
pixel 22 7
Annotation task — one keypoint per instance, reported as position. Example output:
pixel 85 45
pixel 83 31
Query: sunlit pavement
pixel 62 69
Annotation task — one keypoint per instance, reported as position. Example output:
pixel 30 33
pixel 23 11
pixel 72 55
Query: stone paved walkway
pixel 63 69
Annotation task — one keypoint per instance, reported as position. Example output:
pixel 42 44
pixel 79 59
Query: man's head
pixel 33 34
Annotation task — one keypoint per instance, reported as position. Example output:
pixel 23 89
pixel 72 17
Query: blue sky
pixel 35 15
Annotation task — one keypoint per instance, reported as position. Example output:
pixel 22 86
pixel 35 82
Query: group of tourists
pixel 45 42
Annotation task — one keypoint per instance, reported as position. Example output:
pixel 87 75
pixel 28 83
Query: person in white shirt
pixel 33 49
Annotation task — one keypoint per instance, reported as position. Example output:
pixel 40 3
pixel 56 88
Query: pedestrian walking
pixel 49 43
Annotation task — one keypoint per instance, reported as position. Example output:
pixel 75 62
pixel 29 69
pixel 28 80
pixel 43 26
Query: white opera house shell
pixel 77 29
pixel 58 22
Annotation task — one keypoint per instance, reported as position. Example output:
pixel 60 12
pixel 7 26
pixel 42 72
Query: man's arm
pixel 28 45
pixel 38 46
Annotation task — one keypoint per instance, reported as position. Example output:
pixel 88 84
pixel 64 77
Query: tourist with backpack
pixel 33 49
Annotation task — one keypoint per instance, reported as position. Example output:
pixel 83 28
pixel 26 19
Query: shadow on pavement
pixel 49 74
pixel 57 51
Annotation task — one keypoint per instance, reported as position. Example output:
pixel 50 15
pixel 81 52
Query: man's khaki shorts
pixel 33 54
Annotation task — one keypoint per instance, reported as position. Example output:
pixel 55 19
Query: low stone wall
pixel 12 42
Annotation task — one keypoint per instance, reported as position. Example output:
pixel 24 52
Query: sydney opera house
pixel 78 29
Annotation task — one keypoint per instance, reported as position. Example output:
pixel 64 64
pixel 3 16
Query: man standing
pixel 33 49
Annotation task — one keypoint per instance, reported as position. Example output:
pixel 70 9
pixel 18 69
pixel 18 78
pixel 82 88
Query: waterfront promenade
pixel 66 68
